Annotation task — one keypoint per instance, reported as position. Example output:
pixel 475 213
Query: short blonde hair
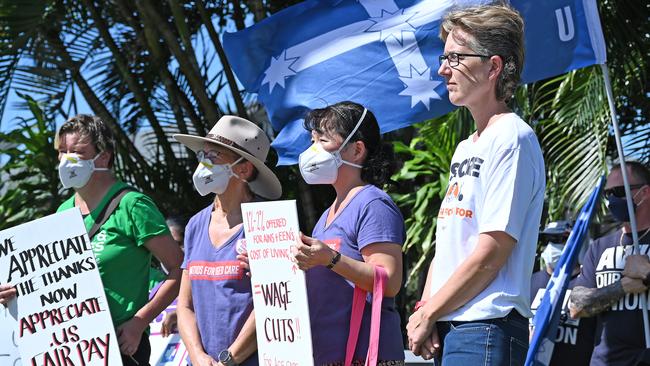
pixel 495 30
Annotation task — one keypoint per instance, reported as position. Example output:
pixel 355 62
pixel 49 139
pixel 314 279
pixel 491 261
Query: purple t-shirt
pixel 619 329
pixel 221 292
pixel 370 217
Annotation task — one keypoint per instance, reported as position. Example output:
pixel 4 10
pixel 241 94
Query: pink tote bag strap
pixel 358 305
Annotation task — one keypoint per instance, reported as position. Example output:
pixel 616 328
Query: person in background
pixel 612 278
pixel 125 242
pixel 575 337
pixel 176 225
pixel 363 228
pixel 215 307
pixel 476 299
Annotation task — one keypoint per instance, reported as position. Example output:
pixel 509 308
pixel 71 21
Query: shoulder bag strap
pixel 107 211
pixel 358 305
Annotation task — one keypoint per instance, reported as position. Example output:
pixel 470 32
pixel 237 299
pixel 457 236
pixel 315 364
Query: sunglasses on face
pixel 619 191
pixel 555 238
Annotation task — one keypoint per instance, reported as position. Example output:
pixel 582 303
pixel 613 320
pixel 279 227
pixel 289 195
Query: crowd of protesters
pixel 478 290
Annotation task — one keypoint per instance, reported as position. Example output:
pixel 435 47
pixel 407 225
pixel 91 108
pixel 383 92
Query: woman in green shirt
pixel 125 242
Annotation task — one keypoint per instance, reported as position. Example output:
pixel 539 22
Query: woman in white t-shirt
pixel 475 300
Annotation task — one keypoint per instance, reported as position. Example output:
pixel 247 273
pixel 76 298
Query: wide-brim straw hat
pixel 244 138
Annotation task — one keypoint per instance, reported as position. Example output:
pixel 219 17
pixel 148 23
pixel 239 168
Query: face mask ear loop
pixel 233 164
pixel 95 158
pixel 633 197
pixel 351 164
pixel 363 115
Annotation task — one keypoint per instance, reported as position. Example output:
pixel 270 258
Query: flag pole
pixel 628 193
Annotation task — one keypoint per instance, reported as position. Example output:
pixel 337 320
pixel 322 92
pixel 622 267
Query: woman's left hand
pixel 419 328
pixel 310 252
pixel 244 262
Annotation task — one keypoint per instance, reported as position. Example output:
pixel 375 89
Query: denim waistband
pixel 513 316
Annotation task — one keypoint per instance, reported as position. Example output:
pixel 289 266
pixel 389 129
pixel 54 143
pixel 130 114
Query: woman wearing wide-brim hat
pixel 215 304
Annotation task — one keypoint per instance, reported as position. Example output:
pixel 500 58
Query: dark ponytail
pixel 341 118
pixel 380 164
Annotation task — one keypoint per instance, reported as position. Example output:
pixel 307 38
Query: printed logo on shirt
pixel 215 271
pixel 333 243
pixel 447 209
pixel 470 167
pixel 455 191
pixel 99 243
pixel 567 330
pixel 610 265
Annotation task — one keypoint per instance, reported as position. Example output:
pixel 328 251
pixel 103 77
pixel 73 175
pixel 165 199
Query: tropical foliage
pixel 30 186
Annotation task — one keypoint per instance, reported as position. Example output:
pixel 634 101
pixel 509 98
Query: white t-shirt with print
pixel 496 183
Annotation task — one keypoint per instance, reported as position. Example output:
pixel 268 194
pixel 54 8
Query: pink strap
pixel 358 304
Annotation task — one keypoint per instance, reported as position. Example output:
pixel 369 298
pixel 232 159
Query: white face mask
pixel 213 178
pixel 318 166
pixel 75 172
pixel 552 253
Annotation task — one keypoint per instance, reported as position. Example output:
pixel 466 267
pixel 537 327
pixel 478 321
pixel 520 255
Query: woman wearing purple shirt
pixel 215 304
pixel 363 228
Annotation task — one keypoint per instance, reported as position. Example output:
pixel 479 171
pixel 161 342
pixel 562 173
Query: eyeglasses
pixel 454 58
pixel 215 157
pixel 620 190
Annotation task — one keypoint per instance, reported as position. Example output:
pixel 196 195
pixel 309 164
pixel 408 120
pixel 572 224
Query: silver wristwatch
pixel 225 357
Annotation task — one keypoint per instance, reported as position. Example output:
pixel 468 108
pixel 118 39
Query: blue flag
pixel 547 317
pixel 384 54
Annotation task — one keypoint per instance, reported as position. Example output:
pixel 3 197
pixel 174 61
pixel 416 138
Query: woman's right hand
pixel 206 360
pixel 169 324
pixel 7 293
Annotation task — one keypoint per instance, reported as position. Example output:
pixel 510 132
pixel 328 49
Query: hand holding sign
pixel 279 291
pixel 310 252
pixel 7 292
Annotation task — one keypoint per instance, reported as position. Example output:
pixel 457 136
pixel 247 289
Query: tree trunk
pixel 241 109
pixel 132 83
pixel 151 18
pixel 238 15
pixel 257 8
pixel 181 26
pixel 137 162
pixel 177 99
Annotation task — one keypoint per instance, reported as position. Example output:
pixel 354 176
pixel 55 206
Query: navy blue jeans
pixel 491 342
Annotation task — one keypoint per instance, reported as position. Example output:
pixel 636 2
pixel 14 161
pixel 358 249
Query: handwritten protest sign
pixel 8 348
pixel 279 291
pixel 60 316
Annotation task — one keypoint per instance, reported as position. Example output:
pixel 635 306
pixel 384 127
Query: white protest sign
pixel 60 316
pixel 279 290
pixel 166 351
pixel 9 355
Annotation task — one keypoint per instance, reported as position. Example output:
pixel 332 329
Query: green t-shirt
pixel 122 259
pixel 156 276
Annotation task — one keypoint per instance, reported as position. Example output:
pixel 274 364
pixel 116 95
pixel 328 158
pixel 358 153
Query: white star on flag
pixel 392 25
pixel 420 87
pixel 279 70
